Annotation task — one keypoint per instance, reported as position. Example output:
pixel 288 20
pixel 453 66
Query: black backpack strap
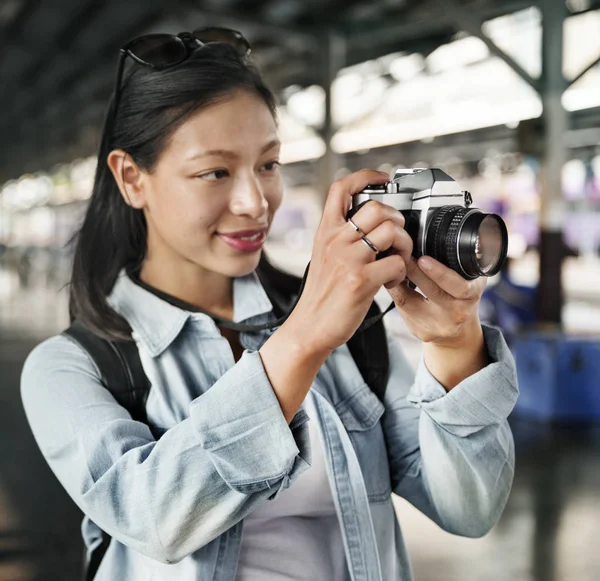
pixel 96 558
pixel 282 288
pixel 122 374
pixel 370 352
pixel 120 368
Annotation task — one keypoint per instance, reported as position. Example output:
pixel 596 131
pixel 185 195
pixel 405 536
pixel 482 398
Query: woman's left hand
pixel 446 319
pixel 450 306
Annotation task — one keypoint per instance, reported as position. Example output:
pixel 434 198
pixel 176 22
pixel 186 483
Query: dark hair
pixel 153 104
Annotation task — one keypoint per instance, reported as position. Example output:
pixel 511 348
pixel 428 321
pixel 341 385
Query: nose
pixel 248 198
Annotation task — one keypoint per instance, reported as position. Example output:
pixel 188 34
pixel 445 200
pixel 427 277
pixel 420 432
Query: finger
pixel 372 215
pixel 427 286
pixel 448 280
pixel 409 301
pixel 420 315
pixel 389 271
pixel 390 235
pixel 339 198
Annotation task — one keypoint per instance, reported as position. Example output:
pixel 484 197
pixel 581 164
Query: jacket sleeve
pixel 451 453
pixel 170 497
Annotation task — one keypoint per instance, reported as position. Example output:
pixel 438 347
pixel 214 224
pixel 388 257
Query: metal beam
pixel 555 122
pixel 471 23
pixel 404 30
pixel 429 20
pixel 13 30
pixel 583 72
pixel 74 24
pixel 246 22
pixel 591 8
pixel 334 55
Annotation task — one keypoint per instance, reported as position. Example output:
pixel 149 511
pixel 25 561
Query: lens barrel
pixel 467 240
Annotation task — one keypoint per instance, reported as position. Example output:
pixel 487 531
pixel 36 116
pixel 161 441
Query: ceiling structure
pixel 58 57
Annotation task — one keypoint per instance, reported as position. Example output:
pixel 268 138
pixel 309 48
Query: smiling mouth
pixel 253 237
pixel 249 234
pixel 245 242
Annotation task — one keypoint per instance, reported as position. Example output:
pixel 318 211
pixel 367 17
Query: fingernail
pixel 425 263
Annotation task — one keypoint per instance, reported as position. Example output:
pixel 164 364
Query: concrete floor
pixel 39 524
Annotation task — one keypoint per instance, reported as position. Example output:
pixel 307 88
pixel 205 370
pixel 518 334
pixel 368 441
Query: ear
pixel 129 178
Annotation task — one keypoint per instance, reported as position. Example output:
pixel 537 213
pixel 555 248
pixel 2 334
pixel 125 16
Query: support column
pixel 333 50
pixel 555 123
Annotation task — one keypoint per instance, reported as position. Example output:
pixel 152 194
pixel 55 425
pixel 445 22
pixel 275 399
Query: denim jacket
pixel 175 506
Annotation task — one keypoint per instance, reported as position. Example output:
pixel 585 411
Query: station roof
pixel 58 57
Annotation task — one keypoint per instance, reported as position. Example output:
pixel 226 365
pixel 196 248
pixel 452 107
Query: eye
pixel 213 176
pixel 271 166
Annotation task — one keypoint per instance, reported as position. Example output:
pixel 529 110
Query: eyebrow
pixel 231 154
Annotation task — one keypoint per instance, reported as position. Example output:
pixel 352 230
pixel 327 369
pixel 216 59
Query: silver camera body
pixel 442 221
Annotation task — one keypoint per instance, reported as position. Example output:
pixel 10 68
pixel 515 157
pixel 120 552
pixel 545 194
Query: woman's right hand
pixel 344 275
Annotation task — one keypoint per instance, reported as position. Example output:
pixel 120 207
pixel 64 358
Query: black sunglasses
pixel 162 51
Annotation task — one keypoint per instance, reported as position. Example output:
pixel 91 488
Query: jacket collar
pixel 158 323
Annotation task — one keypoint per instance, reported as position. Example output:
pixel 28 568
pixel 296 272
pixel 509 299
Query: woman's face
pixel 211 198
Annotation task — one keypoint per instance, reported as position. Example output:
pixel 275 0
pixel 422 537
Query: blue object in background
pixel 559 377
pixel 509 306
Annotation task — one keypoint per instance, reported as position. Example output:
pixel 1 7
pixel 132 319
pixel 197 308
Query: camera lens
pixel 467 240
pixel 488 244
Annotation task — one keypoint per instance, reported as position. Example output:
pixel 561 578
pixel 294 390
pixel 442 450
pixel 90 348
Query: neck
pixel 207 290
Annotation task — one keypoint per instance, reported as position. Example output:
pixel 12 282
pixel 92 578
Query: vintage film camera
pixel 441 221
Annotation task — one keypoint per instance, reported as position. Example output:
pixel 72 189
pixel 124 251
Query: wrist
pixel 291 364
pixel 470 338
pixel 302 340
pixel 452 361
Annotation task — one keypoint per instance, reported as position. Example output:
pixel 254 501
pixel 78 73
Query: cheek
pixel 181 211
pixel 274 196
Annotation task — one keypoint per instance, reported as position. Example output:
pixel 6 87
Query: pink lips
pixel 245 240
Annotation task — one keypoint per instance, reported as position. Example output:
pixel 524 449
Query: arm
pixel 170 497
pixel 291 362
pixel 451 453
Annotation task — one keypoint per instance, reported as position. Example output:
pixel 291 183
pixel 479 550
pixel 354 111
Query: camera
pixel 441 221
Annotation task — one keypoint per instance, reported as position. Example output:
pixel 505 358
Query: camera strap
pixel 285 313
pixel 281 310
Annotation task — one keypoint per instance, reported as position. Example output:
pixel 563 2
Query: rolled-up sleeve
pixel 165 498
pixel 452 453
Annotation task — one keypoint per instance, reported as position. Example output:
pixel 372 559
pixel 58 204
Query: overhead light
pixel 465 119
pixel 457 54
pixel 302 150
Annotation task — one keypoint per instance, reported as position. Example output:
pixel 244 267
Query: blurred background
pixel 504 95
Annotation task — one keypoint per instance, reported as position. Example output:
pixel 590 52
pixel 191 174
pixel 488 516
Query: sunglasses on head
pixel 162 51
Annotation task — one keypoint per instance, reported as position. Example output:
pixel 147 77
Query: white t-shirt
pixel 297 536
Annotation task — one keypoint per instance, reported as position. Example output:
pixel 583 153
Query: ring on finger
pixel 370 244
pixel 354 225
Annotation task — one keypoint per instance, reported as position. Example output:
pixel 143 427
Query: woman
pixel 240 486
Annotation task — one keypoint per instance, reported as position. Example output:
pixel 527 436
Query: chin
pixel 239 266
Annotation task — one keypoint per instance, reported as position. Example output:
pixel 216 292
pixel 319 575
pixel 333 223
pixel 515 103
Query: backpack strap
pixel 122 374
pixel 96 557
pixel 120 368
pixel 370 352
pixel 281 287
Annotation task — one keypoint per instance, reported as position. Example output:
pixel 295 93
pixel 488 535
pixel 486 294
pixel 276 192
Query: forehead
pixel 240 122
